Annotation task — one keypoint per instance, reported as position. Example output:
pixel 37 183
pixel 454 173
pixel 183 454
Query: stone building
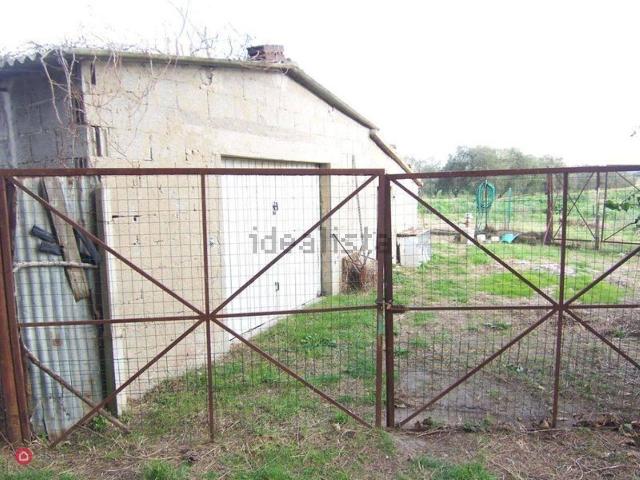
pixel 105 109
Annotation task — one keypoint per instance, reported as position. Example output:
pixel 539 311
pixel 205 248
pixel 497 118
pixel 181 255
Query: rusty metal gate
pixel 175 298
pixel 518 312
pixel 131 285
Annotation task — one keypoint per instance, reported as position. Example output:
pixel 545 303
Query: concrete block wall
pixel 158 115
pixel 37 126
pixel 156 222
pixel 187 115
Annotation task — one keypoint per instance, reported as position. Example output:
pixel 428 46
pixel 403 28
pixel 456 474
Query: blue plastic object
pixel 509 237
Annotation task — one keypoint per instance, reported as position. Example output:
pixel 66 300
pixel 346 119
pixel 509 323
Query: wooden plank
pixel 66 238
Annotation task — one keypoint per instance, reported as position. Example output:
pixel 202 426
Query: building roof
pixel 33 62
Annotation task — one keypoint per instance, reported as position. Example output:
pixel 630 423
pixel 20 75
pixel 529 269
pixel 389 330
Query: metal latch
pixel 275 207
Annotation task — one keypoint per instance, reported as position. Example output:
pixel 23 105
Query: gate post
pixel 380 303
pixel 548 234
pixel 11 369
pixel 559 326
pixel 388 301
pixel 597 227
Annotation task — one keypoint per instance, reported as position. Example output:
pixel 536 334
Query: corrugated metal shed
pixel 43 294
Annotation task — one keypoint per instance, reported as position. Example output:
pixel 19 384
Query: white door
pixel 261 216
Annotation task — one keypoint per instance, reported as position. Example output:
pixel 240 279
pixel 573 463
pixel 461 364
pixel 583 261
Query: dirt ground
pixel 546 454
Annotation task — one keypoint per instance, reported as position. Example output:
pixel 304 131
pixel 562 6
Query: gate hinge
pixel 384 305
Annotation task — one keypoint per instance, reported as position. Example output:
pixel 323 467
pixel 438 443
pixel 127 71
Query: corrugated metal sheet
pixel 43 294
pixel 11 60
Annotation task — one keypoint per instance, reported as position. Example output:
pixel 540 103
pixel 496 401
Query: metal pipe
pixel 405 308
pixel 380 300
pixel 597 235
pixel 84 172
pixel 7 381
pixel 179 318
pixel 296 310
pixel 207 307
pixel 108 321
pixel 11 321
pixel 604 205
pixel 559 326
pixel 590 306
pixel 388 299
pixel 548 234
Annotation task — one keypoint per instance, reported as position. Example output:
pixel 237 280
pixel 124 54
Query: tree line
pixel 486 158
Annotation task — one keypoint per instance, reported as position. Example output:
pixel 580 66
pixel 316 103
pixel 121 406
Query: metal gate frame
pixel 11 355
pixel 555 308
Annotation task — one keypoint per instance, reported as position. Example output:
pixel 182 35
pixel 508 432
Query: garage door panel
pixel 262 215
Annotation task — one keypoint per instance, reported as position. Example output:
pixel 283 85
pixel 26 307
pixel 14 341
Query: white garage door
pixel 261 216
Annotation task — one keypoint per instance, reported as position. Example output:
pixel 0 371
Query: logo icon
pixel 24 455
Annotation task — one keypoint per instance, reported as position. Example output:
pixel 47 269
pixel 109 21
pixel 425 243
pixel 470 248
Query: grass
pixel 449 289
pixel 603 292
pixel 457 272
pixel 287 461
pixel 440 470
pixel 506 284
pixel 36 474
pixel 423 318
pixel 161 470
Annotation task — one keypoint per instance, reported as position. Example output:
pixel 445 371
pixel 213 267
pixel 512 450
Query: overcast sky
pixel 548 77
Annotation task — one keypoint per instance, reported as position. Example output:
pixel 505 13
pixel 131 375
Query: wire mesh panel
pixel 104 321
pixel 482 332
pixel 307 311
pixel 169 302
pixel 600 362
pixel 188 303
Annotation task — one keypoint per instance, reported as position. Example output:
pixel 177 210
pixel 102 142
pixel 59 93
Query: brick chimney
pixel 267 53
